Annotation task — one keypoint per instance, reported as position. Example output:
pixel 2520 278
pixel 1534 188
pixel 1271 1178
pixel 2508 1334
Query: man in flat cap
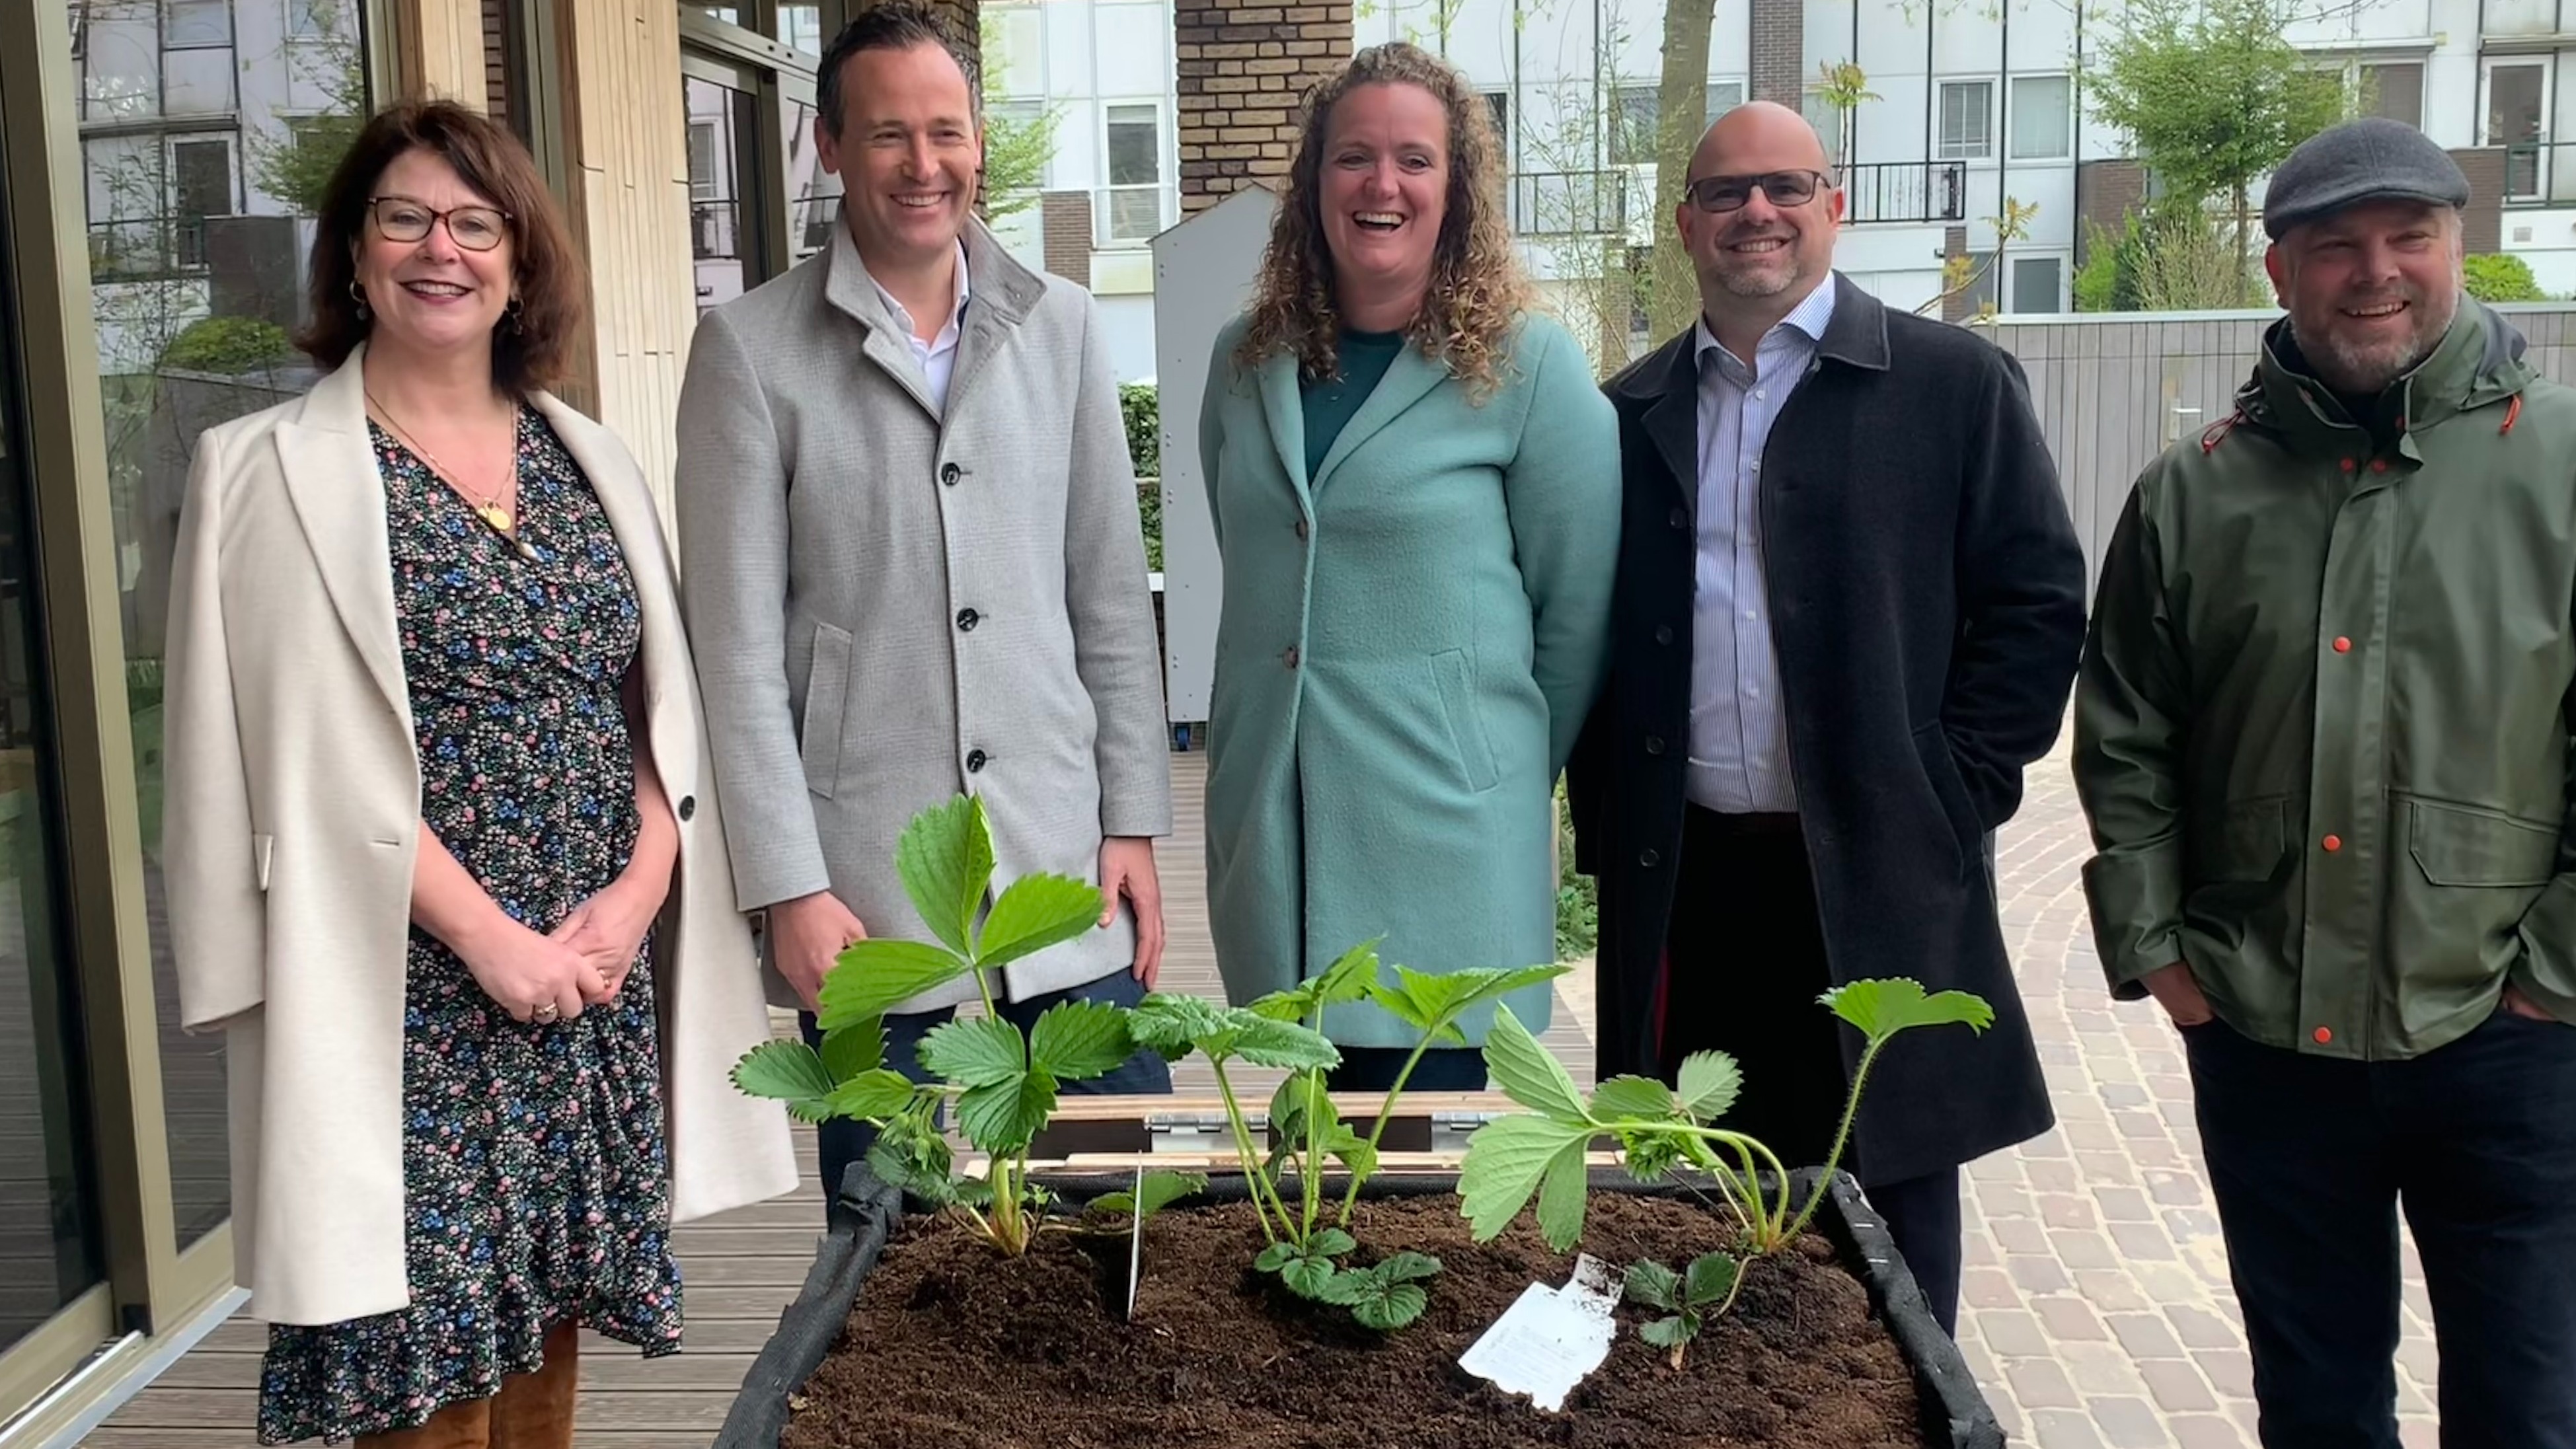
pixel 2323 733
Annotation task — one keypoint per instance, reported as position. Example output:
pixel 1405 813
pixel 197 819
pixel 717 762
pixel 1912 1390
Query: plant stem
pixel 1842 1134
pixel 1252 1172
pixel 1311 1170
pixel 1385 1113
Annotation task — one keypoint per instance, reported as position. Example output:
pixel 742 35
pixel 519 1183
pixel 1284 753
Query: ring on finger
pixel 547 1014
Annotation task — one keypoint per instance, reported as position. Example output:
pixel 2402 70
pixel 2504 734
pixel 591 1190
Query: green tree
pixel 2214 97
pixel 1017 143
pixel 2500 277
pixel 296 168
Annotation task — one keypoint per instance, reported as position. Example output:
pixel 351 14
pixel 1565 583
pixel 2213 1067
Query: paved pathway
pixel 2096 1309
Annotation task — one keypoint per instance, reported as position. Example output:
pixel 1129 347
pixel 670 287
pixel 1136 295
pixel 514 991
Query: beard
pixel 2353 363
pixel 1765 275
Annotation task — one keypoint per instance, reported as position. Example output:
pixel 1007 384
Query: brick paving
pixel 2095 1308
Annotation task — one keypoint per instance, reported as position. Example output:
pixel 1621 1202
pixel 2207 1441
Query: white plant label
pixel 1549 1338
pixel 1135 1242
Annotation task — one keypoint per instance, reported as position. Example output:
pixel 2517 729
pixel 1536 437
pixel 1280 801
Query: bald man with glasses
pixel 1850 604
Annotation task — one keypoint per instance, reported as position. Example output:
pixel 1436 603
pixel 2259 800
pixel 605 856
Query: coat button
pixel 1291 656
pixel 974 761
pixel 1680 519
pixel 967 619
pixel 1301 530
pixel 1654 744
pixel 688 806
pixel 2324 1034
pixel 2342 645
pixel 949 474
pixel 2379 465
pixel 1648 859
pixel 2348 465
pixel 1663 633
pixel 2332 843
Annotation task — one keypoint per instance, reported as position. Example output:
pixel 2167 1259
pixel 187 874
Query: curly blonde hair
pixel 1477 289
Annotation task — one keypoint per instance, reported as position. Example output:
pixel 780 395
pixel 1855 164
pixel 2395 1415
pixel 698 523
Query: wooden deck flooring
pixel 741 1269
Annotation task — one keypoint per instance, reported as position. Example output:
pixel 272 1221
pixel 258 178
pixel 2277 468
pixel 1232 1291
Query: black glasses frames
pixel 1783 188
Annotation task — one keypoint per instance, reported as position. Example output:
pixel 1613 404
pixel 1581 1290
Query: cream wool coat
pixel 292 817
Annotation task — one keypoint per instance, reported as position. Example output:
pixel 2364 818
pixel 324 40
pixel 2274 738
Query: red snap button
pixel 2324 1035
pixel 2342 645
pixel 2347 465
pixel 2379 465
pixel 2333 842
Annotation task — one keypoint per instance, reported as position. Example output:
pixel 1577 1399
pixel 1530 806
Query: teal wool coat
pixel 1410 641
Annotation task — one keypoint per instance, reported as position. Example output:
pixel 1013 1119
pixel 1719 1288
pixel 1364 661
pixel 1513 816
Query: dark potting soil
pixel 953 1347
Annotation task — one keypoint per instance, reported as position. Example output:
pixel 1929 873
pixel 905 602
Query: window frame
pixel 1942 149
pixel 2065 117
pixel 1105 233
pixel 2010 290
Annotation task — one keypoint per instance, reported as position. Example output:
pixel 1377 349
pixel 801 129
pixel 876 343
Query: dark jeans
pixel 1744 961
pixel 842 1142
pixel 1442 1069
pixel 2312 1157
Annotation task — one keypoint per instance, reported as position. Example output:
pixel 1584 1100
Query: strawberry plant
pixel 1703 1290
pixel 1306 1238
pixel 1541 1152
pixel 1001 1083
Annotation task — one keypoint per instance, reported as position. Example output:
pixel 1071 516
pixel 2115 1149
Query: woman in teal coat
pixel 1415 485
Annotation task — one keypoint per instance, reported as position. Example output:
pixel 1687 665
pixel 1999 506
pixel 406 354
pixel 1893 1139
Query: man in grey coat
pixel 912 565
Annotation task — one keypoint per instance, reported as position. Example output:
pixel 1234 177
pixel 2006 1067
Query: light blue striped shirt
pixel 1739 737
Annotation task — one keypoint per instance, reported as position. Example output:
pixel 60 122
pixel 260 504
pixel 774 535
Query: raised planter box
pixel 1953 1413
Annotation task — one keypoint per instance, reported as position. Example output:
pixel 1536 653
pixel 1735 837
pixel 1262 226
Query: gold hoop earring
pixel 360 297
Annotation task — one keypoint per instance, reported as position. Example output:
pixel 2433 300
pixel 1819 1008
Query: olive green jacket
pixel 2323 725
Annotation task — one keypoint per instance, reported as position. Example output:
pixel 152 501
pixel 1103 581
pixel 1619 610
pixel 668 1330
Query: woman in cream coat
pixel 445 858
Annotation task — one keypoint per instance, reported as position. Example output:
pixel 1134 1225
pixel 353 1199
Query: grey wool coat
pixel 1410 642
pixel 890 607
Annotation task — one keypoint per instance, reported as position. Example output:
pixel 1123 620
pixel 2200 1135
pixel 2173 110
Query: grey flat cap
pixel 2372 159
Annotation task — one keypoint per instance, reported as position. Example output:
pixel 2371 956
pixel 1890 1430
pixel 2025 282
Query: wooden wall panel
pixel 626 140
pixel 439 50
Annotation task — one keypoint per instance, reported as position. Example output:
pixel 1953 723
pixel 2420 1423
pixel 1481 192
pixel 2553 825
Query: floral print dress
pixel 534 1165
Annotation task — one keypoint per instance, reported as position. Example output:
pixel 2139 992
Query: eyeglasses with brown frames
pixel 475 228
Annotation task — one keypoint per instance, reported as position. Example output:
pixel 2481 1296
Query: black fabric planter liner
pixel 866 1211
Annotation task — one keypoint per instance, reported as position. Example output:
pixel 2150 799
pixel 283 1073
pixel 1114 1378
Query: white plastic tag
pixel 1549 1338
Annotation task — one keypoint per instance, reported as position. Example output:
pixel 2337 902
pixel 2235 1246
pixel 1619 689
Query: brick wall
pixel 1779 64
pixel 2106 192
pixel 963 18
pixel 496 62
pixel 2482 222
pixel 1067 219
pixel 1245 69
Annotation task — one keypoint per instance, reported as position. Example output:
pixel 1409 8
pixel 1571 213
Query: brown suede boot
pixel 535 1411
pixel 458 1426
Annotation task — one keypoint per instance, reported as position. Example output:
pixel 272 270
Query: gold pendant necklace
pixel 495 514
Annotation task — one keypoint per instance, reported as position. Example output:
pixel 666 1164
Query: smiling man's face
pixel 2370 290
pixel 1761 249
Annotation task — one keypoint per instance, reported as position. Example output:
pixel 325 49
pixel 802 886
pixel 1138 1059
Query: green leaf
pixel 1162 1189
pixel 1654 1285
pixel 916 1162
pixel 1331 1243
pixel 975 1192
pixel 1523 1070
pixel 1033 913
pixel 982 1051
pixel 1633 1099
pixel 1390 1308
pixel 1307 1276
pixel 1506 1159
pixel 1275 1257
pixel 872 1095
pixel 1481 984
pixel 1710 1082
pixel 945 858
pixel 1379 1298
pixel 1711 1277
pixel 875 976
pixel 785 1071
pixel 858 1047
pixel 1351 1149
pixel 1883 1007
pixel 1408 1267
pixel 1002 1118
pixel 1561 1196
pixel 1288 1105
pixel 1079 1040
pixel 1172 1025
pixel 1348 979
pixel 1669 1332
pixel 1649 1155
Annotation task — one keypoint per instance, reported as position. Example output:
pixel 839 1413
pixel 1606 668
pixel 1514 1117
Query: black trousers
pixel 2312 1157
pixel 1744 961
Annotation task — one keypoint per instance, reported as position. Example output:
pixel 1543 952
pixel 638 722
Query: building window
pixel 1967 120
pixel 2517 110
pixel 315 20
pixel 705 182
pixel 1135 172
pixel 1500 103
pixel 2035 282
pixel 1723 96
pixel 196 24
pixel 201 174
pixel 2043 118
pixel 1635 119
pixel 2395 90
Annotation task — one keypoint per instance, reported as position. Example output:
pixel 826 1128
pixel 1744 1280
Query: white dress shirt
pixel 938 356
pixel 1739 735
